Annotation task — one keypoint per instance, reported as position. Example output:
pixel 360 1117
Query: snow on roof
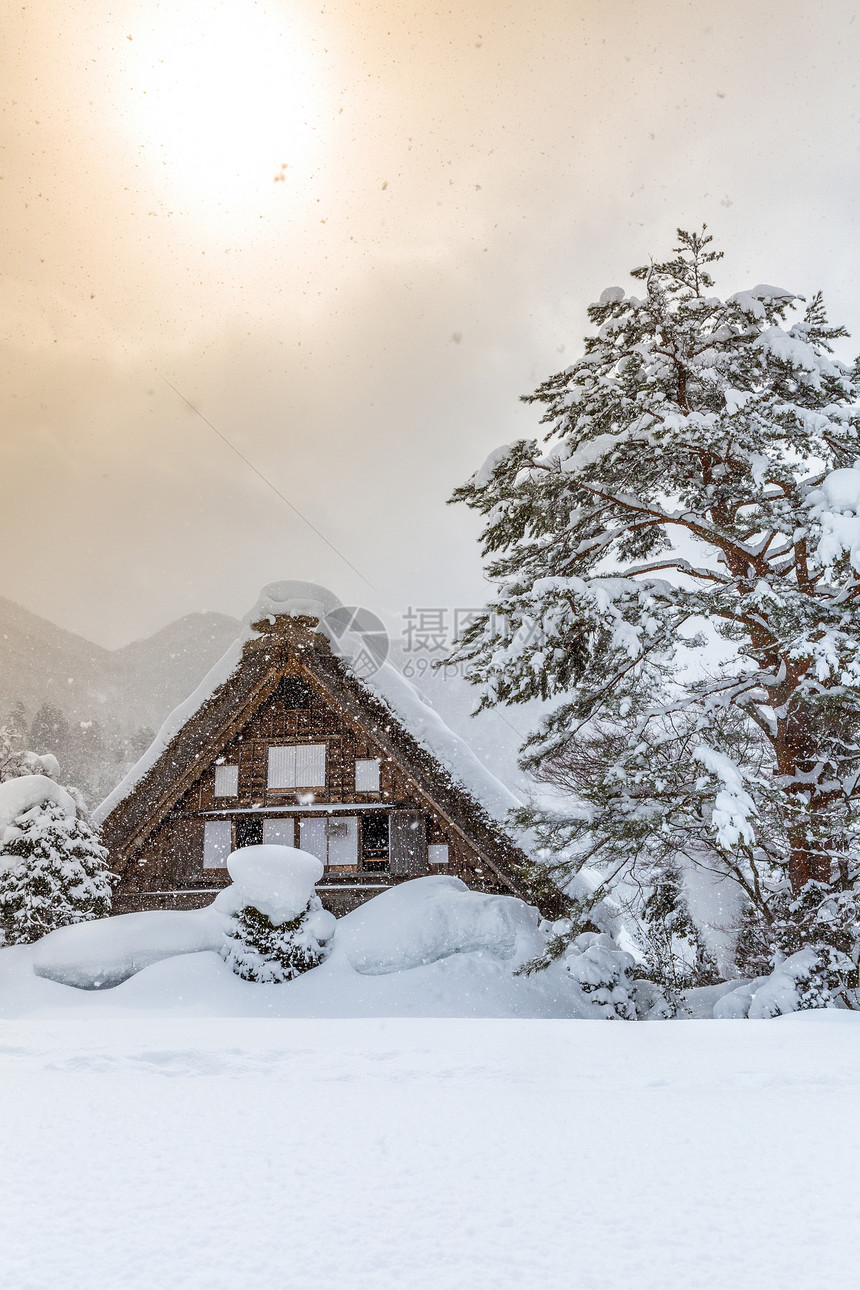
pixel 292 600
pixel 308 599
pixel 430 731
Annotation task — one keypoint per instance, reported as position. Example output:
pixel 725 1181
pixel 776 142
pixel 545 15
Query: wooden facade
pixel 294 748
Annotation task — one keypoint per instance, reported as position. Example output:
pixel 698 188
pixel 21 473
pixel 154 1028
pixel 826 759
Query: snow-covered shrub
pixel 601 973
pixel 259 950
pixel 812 942
pixel 16 762
pixel 675 955
pixel 813 977
pixel 278 927
pixel 53 870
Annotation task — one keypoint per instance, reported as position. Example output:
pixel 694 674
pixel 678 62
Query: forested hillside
pixel 97 709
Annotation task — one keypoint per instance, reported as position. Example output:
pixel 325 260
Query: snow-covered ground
pixel 214 1153
pixel 410 1114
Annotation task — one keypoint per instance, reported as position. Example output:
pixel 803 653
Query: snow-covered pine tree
pixel 699 478
pixel 675 956
pixel 53 871
pixel 14 761
pixel 259 950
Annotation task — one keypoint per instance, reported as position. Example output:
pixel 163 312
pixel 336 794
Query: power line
pixel 270 485
pixel 297 512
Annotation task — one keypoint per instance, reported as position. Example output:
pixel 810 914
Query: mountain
pixel 159 672
pixel 106 703
pixel 136 685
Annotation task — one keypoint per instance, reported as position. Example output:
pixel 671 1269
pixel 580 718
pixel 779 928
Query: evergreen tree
pixel 675 956
pixel 50 729
pixel 9 752
pixel 259 950
pixel 15 760
pixel 698 481
pixel 53 872
pixel 17 721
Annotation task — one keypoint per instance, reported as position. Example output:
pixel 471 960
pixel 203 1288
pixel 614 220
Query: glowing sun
pixel 221 98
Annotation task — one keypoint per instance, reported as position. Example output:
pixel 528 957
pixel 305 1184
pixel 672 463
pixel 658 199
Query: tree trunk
pixel 806 863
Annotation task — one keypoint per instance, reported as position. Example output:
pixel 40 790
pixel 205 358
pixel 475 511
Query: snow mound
pixel 293 600
pixel 410 926
pixel 791 987
pixel 102 953
pixel 428 919
pixel 278 881
pixel 26 791
pixel 734 1005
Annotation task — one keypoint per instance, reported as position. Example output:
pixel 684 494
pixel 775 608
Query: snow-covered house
pixel 284 742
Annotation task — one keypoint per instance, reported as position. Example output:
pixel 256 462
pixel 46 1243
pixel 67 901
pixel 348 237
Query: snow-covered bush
pixel 607 983
pixel 278 928
pixel 257 949
pixel 16 761
pixel 814 977
pixel 676 958
pixel 601 973
pixel 53 869
pixel 812 939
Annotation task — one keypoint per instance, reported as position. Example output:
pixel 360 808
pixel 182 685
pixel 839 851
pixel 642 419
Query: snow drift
pixel 102 953
pixel 431 918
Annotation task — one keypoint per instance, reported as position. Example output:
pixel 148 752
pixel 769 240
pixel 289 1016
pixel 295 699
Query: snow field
pixel 429 1154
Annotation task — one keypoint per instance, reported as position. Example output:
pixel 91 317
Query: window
pixel 367 776
pixel 437 853
pixel 226 781
pixel 293 692
pixel 281 832
pixel 217 843
pixel 343 840
pixel 334 840
pixel 312 837
pixel 374 841
pixel 249 831
pixel 297 766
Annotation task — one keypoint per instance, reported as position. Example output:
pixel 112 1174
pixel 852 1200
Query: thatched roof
pixel 283 632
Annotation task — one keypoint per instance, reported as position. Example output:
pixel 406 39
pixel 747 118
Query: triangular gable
pixel 292 647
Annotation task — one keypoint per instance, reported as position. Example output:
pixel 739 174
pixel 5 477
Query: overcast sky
pixel 352 234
